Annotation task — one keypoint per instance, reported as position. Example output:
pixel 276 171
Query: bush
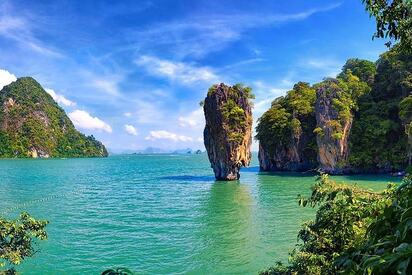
pixel 355 231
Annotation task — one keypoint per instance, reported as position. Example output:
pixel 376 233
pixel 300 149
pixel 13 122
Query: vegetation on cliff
pixel 287 128
pixel 359 116
pixel 33 125
pixel 17 240
pixel 378 140
pixel 227 134
pixel 355 231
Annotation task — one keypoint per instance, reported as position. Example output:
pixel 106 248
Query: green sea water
pixel 157 214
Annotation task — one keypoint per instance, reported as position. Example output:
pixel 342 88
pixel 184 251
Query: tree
pixel 355 231
pixel 393 20
pixel 17 240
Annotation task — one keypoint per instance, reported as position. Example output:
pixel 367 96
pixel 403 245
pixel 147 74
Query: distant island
pixel 155 150
pixel 32 125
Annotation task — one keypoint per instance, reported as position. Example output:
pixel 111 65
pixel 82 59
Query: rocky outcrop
pixel 285 132
pixel 290 157
pixel 228 130
pixel 332 130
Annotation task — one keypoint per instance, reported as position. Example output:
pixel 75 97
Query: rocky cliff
pixel 33 125
pixel 285 132
pixel 363 120
pixel 332 131
pixel 228 130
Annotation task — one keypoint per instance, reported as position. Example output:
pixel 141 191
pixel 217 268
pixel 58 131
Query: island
pixel 32 125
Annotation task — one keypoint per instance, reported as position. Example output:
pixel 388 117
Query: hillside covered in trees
pixel 33 125
pixel 356 122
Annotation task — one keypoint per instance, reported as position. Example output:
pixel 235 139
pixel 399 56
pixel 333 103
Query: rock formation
pixel 332 130
pixel 33 125
pixel 285 132
pixel 290 157
pixel 228 130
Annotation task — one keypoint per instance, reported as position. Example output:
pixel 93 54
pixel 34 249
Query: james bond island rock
pixel 228 130
pixel 285 132
pixel 32 125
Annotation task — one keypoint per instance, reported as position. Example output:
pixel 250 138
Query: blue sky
pixel 133 72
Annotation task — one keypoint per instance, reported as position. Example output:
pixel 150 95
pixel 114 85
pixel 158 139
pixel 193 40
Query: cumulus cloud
pixel 60 98
pixel 6 78
pixel 193 120
pixel 84 120
pixel 130 129
pixel 127 114
pixel 162 134
pixel 177 71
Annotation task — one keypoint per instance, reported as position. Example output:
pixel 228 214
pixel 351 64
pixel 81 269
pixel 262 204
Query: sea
pixel 158 214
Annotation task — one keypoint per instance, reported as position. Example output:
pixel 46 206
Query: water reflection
pixel 227 231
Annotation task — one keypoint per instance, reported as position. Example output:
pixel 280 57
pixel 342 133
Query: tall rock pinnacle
pixel 228 130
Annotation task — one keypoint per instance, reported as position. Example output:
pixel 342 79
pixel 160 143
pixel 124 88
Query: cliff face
pixel 332 131
pixel 228 130
pixel 33 125
pixel 285 132
pixel 290 157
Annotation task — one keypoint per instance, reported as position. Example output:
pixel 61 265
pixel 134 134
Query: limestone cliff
pixel 292 156
pixel 285 132
pixel 332 130
pixel 228 130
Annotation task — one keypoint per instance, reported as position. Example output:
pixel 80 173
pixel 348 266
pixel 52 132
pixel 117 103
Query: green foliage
pixel 387 248
pixel 235 120
pixel 355 231
pixel 345 90
pixel 292 115
pixel 31 119
pixel 393 20
pixel 17 239
pixel 365 70
pixel 378 139
pixel 117 271
pixel 405 109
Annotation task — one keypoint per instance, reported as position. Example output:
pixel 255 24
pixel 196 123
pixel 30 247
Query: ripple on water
pixel 156 214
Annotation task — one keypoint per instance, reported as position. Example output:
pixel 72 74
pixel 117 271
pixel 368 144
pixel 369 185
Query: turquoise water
pixel 156 214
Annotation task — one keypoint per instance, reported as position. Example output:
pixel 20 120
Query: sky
pixel 132 73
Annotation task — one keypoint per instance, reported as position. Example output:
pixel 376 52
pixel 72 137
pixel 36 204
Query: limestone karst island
pixel 206 137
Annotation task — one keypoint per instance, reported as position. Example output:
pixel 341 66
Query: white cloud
pixel 148 112
pixel 6 77
pixel 84 120
pixel 193 120
pixel 199 35
pixel 21 30
pixel 329 67
pixel 162 134
pixel 130 129
pixel 127 114
pixel 60 98
pixel 177 71
pixel 109 86
pixel 265 94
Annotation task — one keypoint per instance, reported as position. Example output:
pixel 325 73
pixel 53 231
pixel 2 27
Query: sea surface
pixel 157 214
